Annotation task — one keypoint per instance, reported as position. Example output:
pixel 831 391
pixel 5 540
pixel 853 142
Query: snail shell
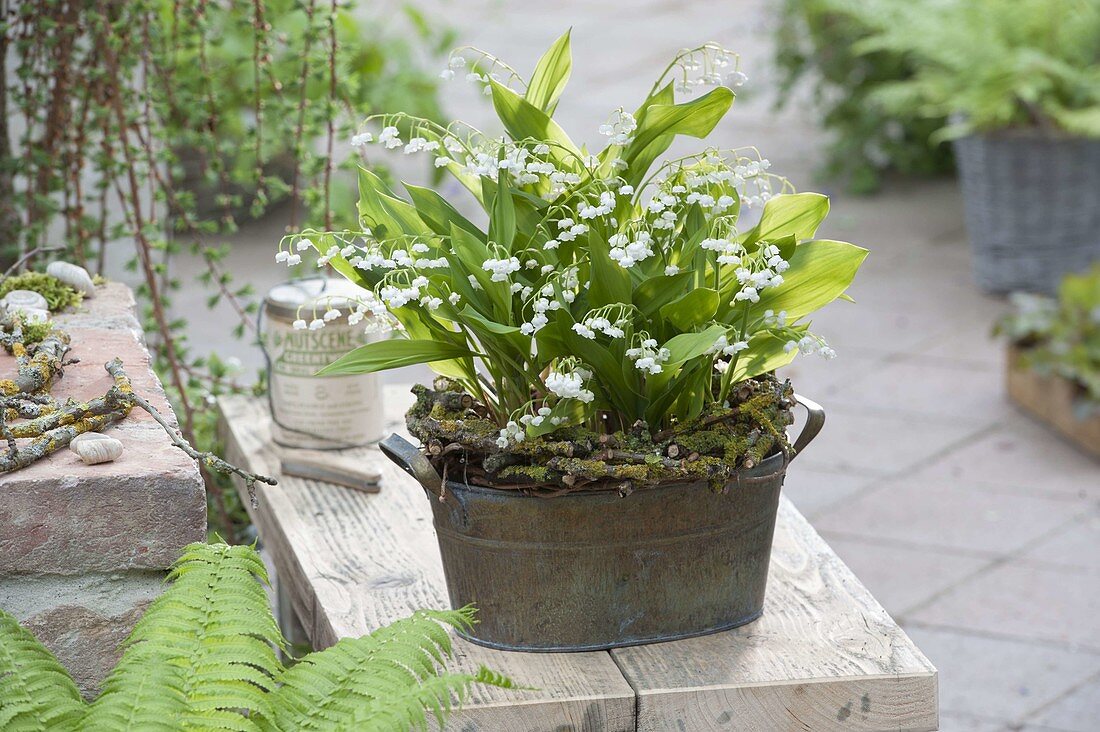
pixel 74 276
pixel 34 315
pixel 24 300
pixel 85 437
pixel 100 450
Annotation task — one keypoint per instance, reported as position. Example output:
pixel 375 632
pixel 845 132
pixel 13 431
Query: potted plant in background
pixel 814 42
pixel 606 425
pixel 1020 82
pixel 1054 358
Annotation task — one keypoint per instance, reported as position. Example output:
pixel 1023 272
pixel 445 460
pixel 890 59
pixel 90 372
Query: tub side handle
pixel 408 457
pixel 815 420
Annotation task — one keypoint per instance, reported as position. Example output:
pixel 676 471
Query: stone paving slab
pixel 814 490
pixel 1076 545
pixel 879 444
pixel 1023 454
pixel 1020 600
pixel 997 678
pixel 1077 711
pixel 949 515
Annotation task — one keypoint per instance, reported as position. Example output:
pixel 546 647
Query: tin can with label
pixel 319 412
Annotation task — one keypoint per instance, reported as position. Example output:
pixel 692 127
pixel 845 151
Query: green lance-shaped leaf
pixel 524 120
pixel 658 291
pixel 439 214
pixel 388 214
pixel 610 282
pixel 567 412
pixel 384 355
pixel 682 348
pixel 821 270
pixel 693 309
pixel 502 216
pixel 550 76
pixel 662 122
pixel 765 353
pixel 791 214
pixel 36 693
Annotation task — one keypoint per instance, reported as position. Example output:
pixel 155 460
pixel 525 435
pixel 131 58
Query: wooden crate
pixel 1050 398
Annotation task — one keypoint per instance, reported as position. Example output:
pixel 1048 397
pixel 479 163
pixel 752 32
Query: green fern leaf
pixel 36 693
pixel 202 655
pixel 383 681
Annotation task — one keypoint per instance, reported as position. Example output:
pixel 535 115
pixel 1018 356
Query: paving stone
pixel 881 444
pixel 1078 711
pixel 1078 545
pixel 932 390
pixel 813 490
pixel 1022 454
pixel 1024 601
pixel 999 679
pixel 955 722
pixel 948 514
pixel 902 577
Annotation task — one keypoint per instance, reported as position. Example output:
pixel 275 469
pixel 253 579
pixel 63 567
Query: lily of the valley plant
pixel 611 294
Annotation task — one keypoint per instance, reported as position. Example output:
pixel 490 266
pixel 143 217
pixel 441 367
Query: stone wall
pixel 84 548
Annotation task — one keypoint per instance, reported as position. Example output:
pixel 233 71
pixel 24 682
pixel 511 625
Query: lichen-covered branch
pixel 208 459
pixel 49 426
pixel 38 364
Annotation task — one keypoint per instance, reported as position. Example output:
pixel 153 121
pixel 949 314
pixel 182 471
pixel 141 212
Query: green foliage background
pixel 814 44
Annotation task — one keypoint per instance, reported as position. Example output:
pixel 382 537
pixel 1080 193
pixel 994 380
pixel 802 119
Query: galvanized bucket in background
pixel 319 412
pixel 592 570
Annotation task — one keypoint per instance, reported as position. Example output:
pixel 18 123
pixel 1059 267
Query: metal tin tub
pixel 593 570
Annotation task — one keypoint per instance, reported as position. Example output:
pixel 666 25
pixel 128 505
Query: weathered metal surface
pixel 593 570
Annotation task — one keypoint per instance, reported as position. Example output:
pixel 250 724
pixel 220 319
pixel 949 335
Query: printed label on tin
pixel 312 411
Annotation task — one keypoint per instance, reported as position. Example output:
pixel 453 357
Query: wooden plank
pixel 351 561
pixel 1050 399
pixel 825 655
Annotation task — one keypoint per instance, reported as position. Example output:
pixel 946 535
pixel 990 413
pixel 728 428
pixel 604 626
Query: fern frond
pixel 36 693
pixel 201 657
pixel 382 681
pixel 410 707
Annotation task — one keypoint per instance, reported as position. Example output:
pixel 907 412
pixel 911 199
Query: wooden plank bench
pixel 824 656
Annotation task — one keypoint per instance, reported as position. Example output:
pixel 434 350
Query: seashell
pixel 86 437
pixel 95 451
pixel 34 315
pixel 24 300
pixel 74 276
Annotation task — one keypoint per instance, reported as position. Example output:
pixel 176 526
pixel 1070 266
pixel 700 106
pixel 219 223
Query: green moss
pixel 533 473
pixel 35 332
pixel 58 295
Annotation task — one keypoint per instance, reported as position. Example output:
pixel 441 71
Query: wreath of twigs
pixel 29 412
pixel 458 437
